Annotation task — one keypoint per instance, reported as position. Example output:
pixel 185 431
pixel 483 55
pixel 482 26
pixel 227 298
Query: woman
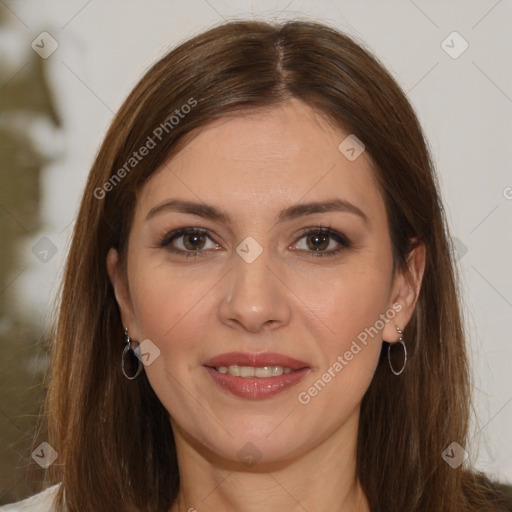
pixel 259 309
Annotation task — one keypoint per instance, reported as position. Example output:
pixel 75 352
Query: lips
pixel 257 387
pixel 255 360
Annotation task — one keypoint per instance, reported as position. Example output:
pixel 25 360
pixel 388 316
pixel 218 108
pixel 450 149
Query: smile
pixel 255 376
pixel 251 371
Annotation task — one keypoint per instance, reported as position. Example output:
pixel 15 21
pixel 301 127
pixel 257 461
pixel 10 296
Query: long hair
pixel 114 438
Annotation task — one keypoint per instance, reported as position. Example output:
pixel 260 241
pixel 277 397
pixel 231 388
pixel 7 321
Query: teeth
pixel 251 371
pixel 246 371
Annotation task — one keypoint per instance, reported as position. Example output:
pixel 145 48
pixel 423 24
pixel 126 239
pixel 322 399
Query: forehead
pixel 255 163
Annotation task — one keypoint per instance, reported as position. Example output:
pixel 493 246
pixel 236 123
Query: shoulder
pixel 42 502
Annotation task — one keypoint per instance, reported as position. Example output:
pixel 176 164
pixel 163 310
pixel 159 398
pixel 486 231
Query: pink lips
pixel 256 360
pixel 253 387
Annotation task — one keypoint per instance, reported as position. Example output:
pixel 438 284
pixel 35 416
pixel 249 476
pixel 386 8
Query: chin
pixel 251 443
pixel 257 453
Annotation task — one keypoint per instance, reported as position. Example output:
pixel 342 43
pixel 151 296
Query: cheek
pixel 349 299
pixel 173 310
pixel 162 299
pixel 171 313
pixel 353 312
pixel 356 303
pixel 349 351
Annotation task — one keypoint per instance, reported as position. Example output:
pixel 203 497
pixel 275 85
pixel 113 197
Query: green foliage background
pixel 23 359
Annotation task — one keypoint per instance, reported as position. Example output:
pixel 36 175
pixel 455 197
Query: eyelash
pixel 326 231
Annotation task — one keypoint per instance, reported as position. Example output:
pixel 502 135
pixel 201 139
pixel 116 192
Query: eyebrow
pixel 290 213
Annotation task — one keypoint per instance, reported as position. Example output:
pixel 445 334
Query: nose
pixel 256 297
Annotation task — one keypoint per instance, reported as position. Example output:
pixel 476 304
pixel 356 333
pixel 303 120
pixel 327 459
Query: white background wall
pixel 465 105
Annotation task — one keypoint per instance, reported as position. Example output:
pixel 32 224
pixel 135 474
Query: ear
pixel 405 291
pixel 119 281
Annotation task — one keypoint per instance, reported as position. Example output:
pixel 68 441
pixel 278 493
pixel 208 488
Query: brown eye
pixel 188 241
pixel 317 241
pixel 193 241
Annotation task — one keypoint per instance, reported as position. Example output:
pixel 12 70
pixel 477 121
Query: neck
pixel 324 478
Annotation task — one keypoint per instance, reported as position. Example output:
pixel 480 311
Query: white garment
pixel 42 502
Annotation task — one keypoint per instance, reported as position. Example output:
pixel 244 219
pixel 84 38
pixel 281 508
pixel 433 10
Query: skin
pixel 286 301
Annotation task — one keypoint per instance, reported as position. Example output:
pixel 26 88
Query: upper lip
pixel 255 360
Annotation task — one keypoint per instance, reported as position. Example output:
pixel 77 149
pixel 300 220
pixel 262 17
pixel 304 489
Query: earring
pixel 128 348
pixel 401 340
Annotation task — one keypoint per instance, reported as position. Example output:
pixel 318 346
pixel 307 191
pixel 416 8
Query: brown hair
pixel 114 439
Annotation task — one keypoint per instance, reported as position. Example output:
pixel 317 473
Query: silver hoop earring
pixel 400 340
pixel 127 348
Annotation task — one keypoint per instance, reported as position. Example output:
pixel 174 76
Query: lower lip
pixel 256 388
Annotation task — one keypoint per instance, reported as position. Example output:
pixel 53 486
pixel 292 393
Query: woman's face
pixel 254 282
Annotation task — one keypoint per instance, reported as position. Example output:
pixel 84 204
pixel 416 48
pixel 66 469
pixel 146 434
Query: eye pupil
pixel 318 238
pixel 196 237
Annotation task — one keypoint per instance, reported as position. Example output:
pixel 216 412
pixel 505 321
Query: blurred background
pixel 65 68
